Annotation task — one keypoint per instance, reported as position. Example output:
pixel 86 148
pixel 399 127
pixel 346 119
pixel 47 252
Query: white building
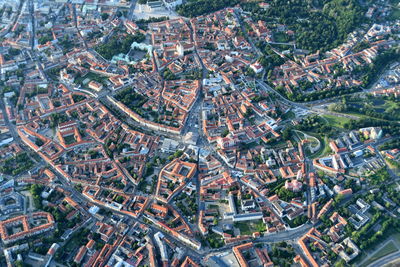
pixel 257 67
pixel 171 4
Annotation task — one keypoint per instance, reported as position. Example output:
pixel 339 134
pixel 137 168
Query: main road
pixel 15 19
pixel 389 260
pixel 131 9
pixel 313 109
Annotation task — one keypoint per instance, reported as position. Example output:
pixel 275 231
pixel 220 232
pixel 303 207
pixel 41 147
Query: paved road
pixel 313 109
pixel 387 260
pixel 131 10
pixel 287 235
pixel 367 260
pixel 15 19
pixel 279 43
pixel 238 17
pixel 327 112
pixel 76 26
pixel 32 15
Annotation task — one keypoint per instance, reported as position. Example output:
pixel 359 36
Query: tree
pixel 286 134
pixel 320 28
pixel 178 153
pixel 119 199
pixel 39 142
pixel 169 75
pixel 118 44
pixel 215 221
pixel 104 16
pixel 225 133
pixel 340 263
pixel 44 39
pixel 349 250
pixel 78 187
pixel 338 198
pixel 195 8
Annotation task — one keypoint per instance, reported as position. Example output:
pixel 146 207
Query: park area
pixel 248 228
pixel 377 108
pixel 391 245
pixel 335 121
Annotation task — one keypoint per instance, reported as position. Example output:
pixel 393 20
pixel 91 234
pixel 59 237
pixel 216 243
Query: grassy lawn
pixel 362 116
pixel 248 228
pixel 70 139
pixel 73 243
pixel 91 76
pixel 378 106
pixel 280 37
pixel 390 104
pixel 313 141
pixel 395 14
pixel 335 121
pixel 396 237
pixel 215 240
pixel 17 164
pixel 277 144
pixel 288 115
pixel 282 46
pixel 385 250
pixel 393 167
pixel 244 228
pixel 323 151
